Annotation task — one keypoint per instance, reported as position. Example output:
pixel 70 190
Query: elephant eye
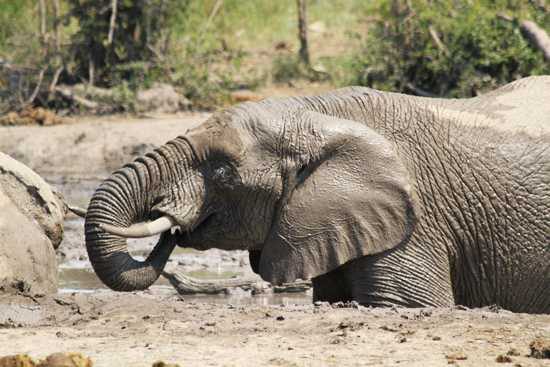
pixel 221 174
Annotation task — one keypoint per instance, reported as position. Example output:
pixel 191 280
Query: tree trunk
pixel 302 31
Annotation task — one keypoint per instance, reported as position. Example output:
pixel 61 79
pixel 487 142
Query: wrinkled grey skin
pixel 381 198
pixel 31 227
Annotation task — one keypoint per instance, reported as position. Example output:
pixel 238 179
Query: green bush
pixel 453 48
pixel 137 43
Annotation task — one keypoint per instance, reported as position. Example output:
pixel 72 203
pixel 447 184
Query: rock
pixel 164 364
pixel 456 356
pixel 502 358
pixel 31 116
pixel 245 95
pixel 53 360
pixel 19 360
pixel 27 257
pixel 540 348
pixel 31 226
pixel 66 360
pixel 35 198
pixel 161 98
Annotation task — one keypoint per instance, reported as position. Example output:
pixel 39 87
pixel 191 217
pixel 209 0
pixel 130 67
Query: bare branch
pixel 55 79
pixel 42 11
pixel 112 22
pixel 56 26
pixel 188 285
pixel 91 71
pixel 302 31
pixel 69 94
pixel 418 91
pixel 435 37
pixel 215 9
pixel 37 87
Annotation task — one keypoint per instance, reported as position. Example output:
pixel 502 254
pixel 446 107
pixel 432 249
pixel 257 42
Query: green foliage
pixel 469 49
pixel 207 48
pixel 15 28
pixel 132 52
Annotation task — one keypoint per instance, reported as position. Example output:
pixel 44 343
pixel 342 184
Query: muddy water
pixel 76 274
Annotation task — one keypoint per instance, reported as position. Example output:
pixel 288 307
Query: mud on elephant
pixel 381 198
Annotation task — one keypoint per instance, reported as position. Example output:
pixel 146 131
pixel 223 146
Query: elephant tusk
pixel 78 211
pixel 142 229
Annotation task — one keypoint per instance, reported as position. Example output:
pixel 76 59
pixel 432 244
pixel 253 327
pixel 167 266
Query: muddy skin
pixel 403 201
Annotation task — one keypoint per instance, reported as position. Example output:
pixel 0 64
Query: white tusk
pixel 143 229
pixel 78 211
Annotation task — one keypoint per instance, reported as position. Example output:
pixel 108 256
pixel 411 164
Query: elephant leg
pixel 404 276
pixel 332 287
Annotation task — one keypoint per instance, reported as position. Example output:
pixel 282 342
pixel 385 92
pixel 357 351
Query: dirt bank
pixel 90 148
pixel 138 329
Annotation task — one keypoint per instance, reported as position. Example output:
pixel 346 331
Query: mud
pixel 138 329
pixel 238 329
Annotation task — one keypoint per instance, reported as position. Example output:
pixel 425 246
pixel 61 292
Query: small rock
pixel 456 356
pixel 540 348
pixel 164 364
pixel 18 360
pixel 389 328
pixel 351 325
pixel 501 358
pixel 161 98
pixel 280 318
pixel 436 338
pixel 401 339
pixel 245 95
pixel 66 360
pixel 461 308
pixel 513 352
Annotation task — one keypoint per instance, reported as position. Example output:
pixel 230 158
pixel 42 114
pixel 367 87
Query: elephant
pixel 31 228
pixel 380 198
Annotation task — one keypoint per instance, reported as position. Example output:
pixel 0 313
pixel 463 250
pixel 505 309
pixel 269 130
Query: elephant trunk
pixel 122 200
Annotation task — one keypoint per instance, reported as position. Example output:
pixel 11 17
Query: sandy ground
pixel 137 329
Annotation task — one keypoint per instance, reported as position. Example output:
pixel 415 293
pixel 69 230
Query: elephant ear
pixel 349 198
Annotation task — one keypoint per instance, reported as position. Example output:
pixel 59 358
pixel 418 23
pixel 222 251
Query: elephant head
pixel 304 191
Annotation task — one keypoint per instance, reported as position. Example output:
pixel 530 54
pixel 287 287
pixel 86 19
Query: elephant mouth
pixel 184 238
